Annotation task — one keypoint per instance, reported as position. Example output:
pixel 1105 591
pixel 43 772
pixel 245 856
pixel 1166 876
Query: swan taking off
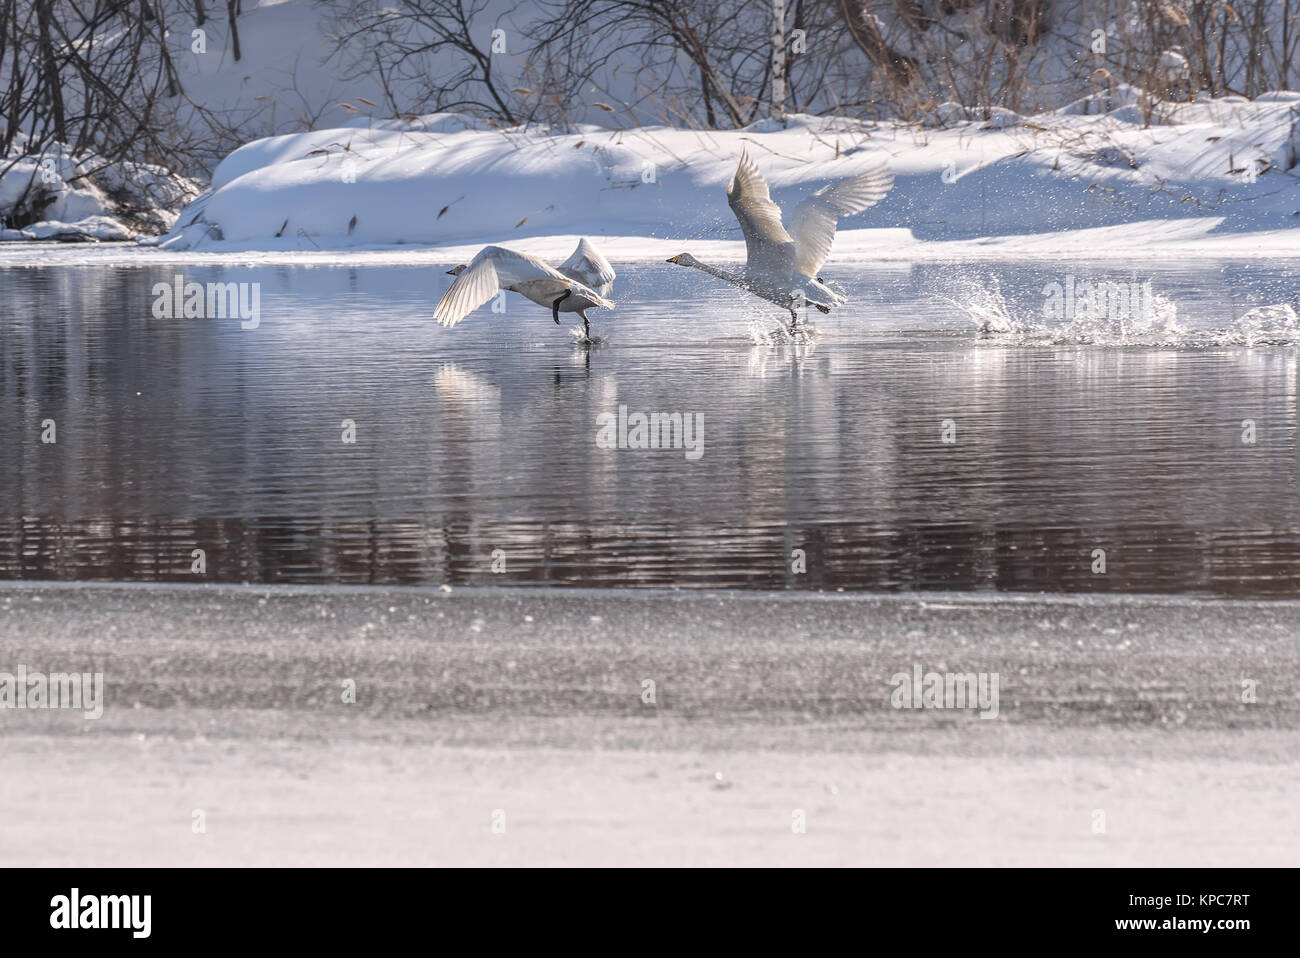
pixel 581 283
pixel 781 266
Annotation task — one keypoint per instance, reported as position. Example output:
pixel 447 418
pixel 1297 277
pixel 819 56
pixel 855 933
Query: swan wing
pixel 494 268
pixel 589 267
pixel 814 220
pixel 769 250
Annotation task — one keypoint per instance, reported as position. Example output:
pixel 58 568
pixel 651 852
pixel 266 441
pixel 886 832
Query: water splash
pixel 580 337
pixel 1156 323
pixel 1268 326
pixel 763 333
pixel 985 305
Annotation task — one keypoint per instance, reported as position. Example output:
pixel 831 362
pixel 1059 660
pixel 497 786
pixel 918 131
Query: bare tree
pixel 87 80
pixel 695 62
pixel 440 50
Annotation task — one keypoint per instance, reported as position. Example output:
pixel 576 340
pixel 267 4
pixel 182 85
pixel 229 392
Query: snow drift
pixel 1140 175
pixel 58 195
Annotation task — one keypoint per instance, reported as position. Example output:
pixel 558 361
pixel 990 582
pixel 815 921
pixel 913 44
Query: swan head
pixel 456 270
pixel 684 259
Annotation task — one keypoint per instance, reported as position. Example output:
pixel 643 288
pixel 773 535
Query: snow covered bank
pixel 1216 177
pixel 55 195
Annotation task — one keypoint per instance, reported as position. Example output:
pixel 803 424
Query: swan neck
pixel 719 273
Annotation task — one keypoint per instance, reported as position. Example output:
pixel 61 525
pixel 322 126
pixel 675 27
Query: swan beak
pixel 674 259
pixel 456 271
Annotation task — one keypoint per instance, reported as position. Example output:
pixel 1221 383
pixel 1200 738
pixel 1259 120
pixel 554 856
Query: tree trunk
pixel 231 14
pixel 901 68
pixel 53 88
pixel 778 60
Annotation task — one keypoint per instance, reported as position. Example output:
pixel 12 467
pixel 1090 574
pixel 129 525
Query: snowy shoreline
pixel 1168 240
pixel 227 699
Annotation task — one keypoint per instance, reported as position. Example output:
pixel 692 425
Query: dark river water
pixel 1166 449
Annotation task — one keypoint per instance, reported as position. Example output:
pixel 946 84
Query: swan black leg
pixel 555 306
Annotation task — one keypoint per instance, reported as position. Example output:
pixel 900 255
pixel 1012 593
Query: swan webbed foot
pixel 583 337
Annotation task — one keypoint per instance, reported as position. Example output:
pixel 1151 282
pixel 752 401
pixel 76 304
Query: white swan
pixel 781 266
pixel 582 282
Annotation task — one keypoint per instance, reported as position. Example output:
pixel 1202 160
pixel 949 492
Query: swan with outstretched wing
pixel 568 289
pixel 781 266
